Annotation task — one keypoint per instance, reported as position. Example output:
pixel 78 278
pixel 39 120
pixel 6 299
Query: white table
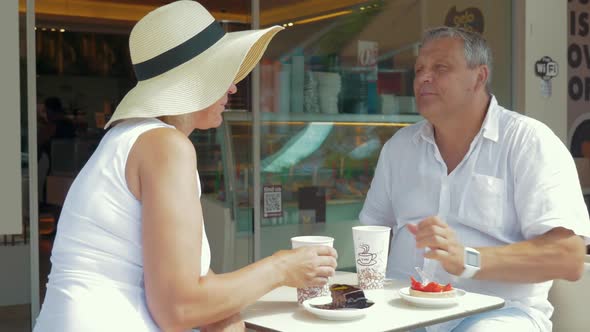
pixel 279 311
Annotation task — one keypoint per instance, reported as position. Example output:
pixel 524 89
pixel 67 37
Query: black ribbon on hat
pixel 179 54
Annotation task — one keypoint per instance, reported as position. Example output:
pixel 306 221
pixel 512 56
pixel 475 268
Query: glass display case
pixel 315 171
pixel 331 89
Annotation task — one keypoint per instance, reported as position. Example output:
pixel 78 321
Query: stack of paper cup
pixel 329 85
pixel 301 241
pixel 407 104
pixel 389 104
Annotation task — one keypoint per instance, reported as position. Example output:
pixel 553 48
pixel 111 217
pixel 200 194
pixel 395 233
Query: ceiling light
pixel 323 17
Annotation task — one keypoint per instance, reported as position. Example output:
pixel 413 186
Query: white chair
pixel 571 301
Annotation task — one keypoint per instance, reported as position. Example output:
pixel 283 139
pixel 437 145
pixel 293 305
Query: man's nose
pixel 424 77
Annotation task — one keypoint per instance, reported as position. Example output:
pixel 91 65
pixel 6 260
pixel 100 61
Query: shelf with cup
pixel 391 119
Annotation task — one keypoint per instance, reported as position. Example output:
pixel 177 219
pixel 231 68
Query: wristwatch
pixel 472 263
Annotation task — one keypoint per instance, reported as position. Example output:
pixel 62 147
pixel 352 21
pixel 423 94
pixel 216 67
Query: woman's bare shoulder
pixel 165 142
pixel 159 155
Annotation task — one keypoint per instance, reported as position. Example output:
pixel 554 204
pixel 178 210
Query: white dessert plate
pixel 429 301
pixel 333 314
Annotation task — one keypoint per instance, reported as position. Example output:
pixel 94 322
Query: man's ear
pixel 483 73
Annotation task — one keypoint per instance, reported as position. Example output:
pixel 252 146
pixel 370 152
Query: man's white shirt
pixel 516 182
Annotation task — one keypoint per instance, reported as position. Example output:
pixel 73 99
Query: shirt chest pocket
pixel 482 204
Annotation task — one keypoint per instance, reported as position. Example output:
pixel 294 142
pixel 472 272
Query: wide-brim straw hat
pixel 185 62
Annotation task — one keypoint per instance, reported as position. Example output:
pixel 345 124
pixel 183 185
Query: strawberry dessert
pixel 432 289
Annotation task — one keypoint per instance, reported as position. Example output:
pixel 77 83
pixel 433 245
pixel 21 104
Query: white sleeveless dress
pixel 96 279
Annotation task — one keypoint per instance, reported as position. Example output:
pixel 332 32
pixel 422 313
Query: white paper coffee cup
pixel 371 246
pixel 312 240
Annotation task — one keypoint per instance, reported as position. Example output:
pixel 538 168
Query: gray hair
pixel 476 49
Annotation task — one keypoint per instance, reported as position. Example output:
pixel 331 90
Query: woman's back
pixel 186 66
pixel 97 264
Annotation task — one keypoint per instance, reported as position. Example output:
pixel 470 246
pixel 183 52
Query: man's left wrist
pixel 471 263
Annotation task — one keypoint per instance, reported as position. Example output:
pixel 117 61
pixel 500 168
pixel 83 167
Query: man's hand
pixel 231 324
pixel 435 234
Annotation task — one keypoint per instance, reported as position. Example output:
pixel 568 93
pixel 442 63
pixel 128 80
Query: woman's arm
pixel 178 297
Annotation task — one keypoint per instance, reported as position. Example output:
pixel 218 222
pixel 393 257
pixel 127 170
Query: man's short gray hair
pixel 476 49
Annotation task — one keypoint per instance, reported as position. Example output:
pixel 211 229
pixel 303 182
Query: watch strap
pixel 470 270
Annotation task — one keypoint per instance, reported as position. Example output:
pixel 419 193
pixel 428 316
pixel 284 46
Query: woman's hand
pixel 231 324
pixel 308 266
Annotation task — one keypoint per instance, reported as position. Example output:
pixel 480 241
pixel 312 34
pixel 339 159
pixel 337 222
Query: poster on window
pixel 367 53
pixel 578 87
pixel 272 204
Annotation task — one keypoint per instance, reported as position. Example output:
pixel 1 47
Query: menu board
pixel 578 72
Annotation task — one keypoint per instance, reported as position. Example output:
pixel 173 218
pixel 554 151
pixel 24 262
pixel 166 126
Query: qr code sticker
pixel 272 204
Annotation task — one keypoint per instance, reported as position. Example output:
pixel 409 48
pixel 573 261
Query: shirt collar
pixel 426 132
pixel 489 127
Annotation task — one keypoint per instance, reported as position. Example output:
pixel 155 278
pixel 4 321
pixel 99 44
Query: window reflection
pixel 349 64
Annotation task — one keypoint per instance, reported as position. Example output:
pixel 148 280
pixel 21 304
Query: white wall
pixel 10 165
pixel 497 32
pixel 542 32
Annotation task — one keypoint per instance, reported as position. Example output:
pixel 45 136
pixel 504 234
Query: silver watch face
pixel 471 258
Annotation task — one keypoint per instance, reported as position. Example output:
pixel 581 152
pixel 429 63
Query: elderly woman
pixel 131 253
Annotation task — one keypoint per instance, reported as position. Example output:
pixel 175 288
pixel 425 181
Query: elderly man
pixel 477 195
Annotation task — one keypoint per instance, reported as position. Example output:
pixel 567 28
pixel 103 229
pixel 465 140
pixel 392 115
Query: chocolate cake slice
pixel 346 297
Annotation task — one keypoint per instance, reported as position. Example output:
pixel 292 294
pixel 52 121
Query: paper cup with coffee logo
pixel 301 241
pixel 371 245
